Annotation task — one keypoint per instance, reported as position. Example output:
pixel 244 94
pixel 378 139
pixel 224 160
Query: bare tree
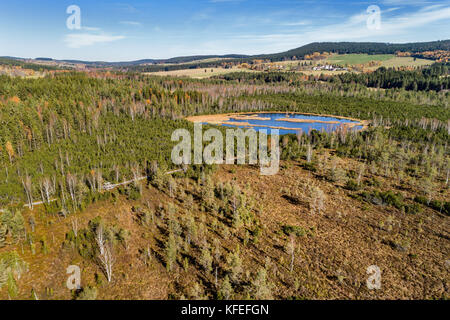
pixel 309 153
pixel 136 176
pixel 46 187
pixel 71 185
pixel 105 256
pixel 75 227
pixel 290 248
pixel 317 200
pixel 99 178
pixel 116 169
pixel 299 134
pixel 172 185
pixel 27 185
pixel 448 173
pixel 361 174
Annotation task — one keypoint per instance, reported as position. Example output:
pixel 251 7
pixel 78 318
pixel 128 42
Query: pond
pixel 285 122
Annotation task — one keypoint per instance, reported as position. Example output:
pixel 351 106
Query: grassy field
pixel 359 58
pixel 406 62
pixel 200 73
pixel 387 60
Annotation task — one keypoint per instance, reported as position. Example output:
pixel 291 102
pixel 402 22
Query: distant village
pixel 328 67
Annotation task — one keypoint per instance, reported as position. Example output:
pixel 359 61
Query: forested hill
pixel 360 47
pixel 335 47
pixel 175 60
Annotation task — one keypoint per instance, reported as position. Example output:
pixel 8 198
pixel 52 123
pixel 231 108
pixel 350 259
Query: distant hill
pixel 360 47
pixel 335 47
pixel 18 62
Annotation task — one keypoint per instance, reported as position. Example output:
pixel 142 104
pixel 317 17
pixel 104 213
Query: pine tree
pixel 261 288
pixel 171 252
pixel 206 260
pixel 235 265
pixel 226 290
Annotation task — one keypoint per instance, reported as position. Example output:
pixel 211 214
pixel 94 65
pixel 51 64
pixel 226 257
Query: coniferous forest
pixel 341 202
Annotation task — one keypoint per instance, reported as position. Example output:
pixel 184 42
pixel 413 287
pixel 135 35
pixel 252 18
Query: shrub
pixel 413 209
pixel 384 198
pixel 206 260
pixel 310 167
pixel 440 206
pixel 235 265
pixel 352 185
pixel 337 175
pixel 226 290
pixel 88 293
pixel 13 224
pixel 391 198
pixel 262 288
pixel 295 230
pixel 11 266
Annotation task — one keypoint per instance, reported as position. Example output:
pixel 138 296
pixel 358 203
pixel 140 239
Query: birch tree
pixel 27 185
pixel 105 253
pixel 47 189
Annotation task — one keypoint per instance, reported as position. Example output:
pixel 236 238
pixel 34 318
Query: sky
pixel 127 30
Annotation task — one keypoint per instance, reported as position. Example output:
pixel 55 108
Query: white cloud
pixel 78 40
pixel 297 23
pixel 406 2
pixel 355 28
pixel 131 23
pixel 90 28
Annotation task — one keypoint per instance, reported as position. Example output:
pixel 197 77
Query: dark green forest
pixel 72 132
pixel 435 78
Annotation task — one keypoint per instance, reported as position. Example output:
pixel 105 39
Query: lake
pixel 285 122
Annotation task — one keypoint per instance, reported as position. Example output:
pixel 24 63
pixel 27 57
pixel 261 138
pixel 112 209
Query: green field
pixel 360 58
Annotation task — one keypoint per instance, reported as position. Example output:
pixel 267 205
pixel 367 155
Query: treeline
pixel 24 65
pixel 433 78
pixel 66 135
pixel 359 47
pixel 183 66
pixel 261 77
pixel 300 53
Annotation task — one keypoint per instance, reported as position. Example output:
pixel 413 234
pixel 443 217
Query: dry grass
pixel 406 62
pixel 387 61
pixel 198 73
pixel 331 259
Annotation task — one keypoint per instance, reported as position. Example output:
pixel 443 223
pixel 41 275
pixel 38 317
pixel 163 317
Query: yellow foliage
pixel 15 99
pixel 9 148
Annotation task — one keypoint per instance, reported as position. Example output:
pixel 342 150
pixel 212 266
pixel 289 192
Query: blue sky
pixel 138 29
